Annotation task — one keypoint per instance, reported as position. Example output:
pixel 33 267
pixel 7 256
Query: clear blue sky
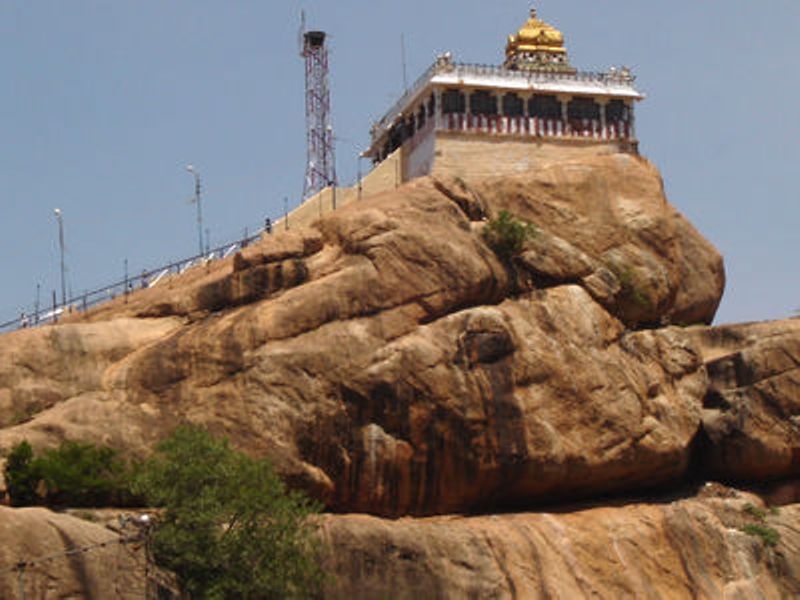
pixel 103 103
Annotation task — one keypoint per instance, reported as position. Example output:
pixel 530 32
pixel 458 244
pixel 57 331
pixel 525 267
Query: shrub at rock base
pixel 21 478
pixel 229 528
pixel 74 474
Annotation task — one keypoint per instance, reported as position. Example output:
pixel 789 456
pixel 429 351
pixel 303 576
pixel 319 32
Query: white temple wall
pixel 419 156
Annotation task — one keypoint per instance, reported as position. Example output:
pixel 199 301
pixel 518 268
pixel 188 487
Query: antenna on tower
pixel 320 163
pixel 301 32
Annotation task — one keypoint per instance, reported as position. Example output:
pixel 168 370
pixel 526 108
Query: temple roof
pixel 536 35
pixel 537 46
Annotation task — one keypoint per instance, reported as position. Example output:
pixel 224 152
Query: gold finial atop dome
pixel 538 46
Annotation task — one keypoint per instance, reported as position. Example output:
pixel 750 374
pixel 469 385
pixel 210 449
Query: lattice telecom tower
pixel 321 163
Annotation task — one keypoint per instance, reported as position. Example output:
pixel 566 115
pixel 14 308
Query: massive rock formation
pixel 390 363
pixel 751 416
pixel 702 546
pixel 692 548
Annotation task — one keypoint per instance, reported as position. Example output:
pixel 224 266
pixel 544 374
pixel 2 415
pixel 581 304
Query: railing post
pixel 36 315
pixel 21 582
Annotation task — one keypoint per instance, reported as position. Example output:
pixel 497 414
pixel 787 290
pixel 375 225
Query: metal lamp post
pixel 196 200
pixel 360 178
pixel 359 156
pixel 60 219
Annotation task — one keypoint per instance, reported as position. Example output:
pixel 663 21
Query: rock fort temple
pixel 509 114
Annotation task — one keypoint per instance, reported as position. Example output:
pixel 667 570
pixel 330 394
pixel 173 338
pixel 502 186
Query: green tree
pixel 78 474
pixel 229 529
pixel 73 474
pixel 21 476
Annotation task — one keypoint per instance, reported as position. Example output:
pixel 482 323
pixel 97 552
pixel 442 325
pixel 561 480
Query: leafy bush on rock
pixel 632 287
pixel 74 474
pixel 507 234
pixel 21 477
pixel 768 535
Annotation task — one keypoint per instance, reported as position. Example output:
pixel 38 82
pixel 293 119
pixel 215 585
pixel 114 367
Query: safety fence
pixel 131 532
pixel 41 315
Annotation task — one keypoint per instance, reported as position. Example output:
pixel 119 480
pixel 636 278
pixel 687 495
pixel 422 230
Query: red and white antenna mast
pixel 321 163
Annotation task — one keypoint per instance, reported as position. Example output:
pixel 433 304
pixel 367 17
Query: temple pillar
pixel 631 121
pixel 564 100
pixel 438 109
pixel 603 102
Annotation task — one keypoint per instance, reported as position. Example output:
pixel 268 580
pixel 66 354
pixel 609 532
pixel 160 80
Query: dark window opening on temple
pixel 617 111
pixel 421 117
pixel 482 103
pixel 544 107
pixel 583 108
pixel 453 101
pixel 432 106
pixel 513 105
pixel 410 127
pixel 395 138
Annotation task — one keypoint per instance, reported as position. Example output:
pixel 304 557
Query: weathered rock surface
pixel 694 548
pixel 65 557
pixel 388 361
pixel 536 398
pixel 751 415
pixel 686 548
pixel 606 223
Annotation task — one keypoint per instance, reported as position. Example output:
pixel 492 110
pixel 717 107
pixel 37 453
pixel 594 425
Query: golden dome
pixel 537 46
pixel 536 36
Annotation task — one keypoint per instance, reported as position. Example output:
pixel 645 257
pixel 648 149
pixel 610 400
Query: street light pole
pixel 360 155
pixel 360 186
pixel 60 219
pixel 196 200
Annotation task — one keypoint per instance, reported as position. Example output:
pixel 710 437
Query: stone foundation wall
pixel 478 156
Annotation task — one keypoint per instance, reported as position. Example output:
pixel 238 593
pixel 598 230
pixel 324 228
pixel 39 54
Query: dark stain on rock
pixel 249 283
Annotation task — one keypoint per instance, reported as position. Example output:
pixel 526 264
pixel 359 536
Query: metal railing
pixel 147 278
pixel 621 77
pixel 415 88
